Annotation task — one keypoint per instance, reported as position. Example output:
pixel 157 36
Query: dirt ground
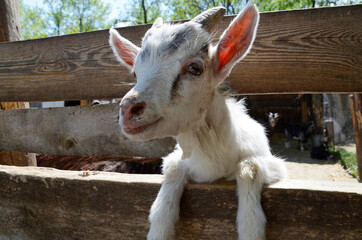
pixel 302 166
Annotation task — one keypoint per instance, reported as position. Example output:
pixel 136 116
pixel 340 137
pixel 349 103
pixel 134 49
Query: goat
pixel 299 131
pixel 177 72
pixel 320 144
pixel 270 124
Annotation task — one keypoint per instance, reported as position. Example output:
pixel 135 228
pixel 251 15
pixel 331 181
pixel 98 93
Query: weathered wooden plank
pixel 356 109
pixel 314 50
pixel 10 31
pixel 51 204
pixel 81 130
pixel 9 21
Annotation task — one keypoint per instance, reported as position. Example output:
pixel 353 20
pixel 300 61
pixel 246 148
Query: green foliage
pixel 63 17
pixel 146 11
pixel 32 21
pixel 143 11
pixel 347 159
pixel 72 16
pixel 186 9
pixel 57 14
pixel 274 5
pixel 87 15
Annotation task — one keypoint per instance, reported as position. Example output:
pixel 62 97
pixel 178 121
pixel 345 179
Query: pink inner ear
pixel 237 38
pixel 126 54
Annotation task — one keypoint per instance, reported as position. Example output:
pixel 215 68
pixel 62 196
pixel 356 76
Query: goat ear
pixel 210 19
pixel 236 41
pixel 124 50
pixel 157 23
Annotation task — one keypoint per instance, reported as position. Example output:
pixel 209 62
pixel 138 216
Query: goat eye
pixel 134 73
pixel 194 68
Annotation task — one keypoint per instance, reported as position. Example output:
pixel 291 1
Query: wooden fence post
pixel 10 31
pixel 355 101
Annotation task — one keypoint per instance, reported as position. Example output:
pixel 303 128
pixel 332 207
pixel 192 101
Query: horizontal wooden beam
pixel 309 51
pixel 37 203
pixel 73 130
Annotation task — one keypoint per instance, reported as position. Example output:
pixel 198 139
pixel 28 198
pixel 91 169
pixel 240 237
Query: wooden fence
pixel 302 51
pixel 52 204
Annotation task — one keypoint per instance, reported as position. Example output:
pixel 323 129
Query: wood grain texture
pixel 39 203
pixel 16 158
pixel 9 21
pixel 310 51
pixel 81 130
pixel 356 109
pixel 10 31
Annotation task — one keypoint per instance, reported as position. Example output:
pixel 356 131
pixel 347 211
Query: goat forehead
pixel 163 52
pixel 168 40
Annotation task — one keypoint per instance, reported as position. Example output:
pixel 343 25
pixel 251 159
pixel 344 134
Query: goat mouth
pixel 133 130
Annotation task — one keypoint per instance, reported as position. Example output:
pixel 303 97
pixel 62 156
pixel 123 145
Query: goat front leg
pixel 165 210
pixel 250 216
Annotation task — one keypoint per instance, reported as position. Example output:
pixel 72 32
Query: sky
pixel 117 6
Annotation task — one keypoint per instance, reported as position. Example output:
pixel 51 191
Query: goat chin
pixel 154 130
pixel 142 136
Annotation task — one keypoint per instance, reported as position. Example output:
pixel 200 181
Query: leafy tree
pixel 58 14
pixel 32 21
pixel 87 15
pixel 63 17
pixel 71 16
pixel 144 11
pixel 232 7
pixel 274 5
pixel 185 9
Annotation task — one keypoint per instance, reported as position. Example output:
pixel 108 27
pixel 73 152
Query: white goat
pixel 176 94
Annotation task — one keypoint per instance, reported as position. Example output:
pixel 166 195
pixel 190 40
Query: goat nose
pixel 138 108
pixel 131 109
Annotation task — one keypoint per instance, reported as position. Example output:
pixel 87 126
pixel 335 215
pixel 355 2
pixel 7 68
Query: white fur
pixel 216 137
